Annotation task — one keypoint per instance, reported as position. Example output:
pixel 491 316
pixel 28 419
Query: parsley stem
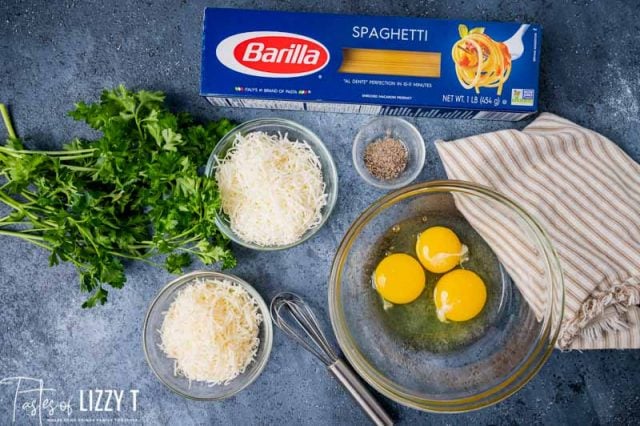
pixel 12 222
pixel 135 114
pixel 140 246
pixel 52 153
pixel 5 221
pixel 28 230
pixel 28 196
pixel 126 256
pixel 75 157
pixel 15 204
pixel 31 238
pixel 25 208
pixel 87 235
pixel 176 237
pixel 187 250
pixel 7 121
pixel 79 168
pixel 191 240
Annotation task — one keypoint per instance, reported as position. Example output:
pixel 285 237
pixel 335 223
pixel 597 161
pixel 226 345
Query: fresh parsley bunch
pixel 134 193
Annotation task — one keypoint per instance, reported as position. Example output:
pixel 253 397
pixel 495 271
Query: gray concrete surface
pixel 53 53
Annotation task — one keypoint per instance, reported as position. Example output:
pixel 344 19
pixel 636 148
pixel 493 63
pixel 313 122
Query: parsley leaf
pixel 176 261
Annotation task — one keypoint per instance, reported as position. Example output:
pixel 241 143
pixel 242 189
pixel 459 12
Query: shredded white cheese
pixel 271 188
pixel 211 331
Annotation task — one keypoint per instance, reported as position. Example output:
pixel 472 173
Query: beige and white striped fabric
pixel 585 192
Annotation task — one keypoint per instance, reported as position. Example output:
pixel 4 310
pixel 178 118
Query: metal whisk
pixel 294 317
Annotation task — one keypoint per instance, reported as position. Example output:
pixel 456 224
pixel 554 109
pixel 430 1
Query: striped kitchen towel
pixel 585 192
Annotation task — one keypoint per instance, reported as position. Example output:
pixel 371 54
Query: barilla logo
pixel 272 54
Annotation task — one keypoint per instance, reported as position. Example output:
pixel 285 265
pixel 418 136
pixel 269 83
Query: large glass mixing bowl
pixel 517 335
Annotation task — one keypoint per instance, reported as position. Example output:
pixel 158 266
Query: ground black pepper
pixel 386 158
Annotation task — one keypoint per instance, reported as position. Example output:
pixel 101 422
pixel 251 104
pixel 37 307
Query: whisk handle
pixel 360 393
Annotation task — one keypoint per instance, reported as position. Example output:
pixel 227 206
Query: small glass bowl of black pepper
pixel 388 152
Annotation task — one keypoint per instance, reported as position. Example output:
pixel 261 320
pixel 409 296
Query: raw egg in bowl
pixel 467 335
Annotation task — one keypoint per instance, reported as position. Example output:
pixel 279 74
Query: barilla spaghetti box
pixel 373 65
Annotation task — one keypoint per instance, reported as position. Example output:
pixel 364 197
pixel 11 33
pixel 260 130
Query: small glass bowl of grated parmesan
pixel 207 335
pixel 278 183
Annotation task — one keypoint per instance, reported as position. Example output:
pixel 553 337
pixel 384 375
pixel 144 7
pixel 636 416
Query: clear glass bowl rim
pixel 537 357
pixel 330 175
pixel 261 357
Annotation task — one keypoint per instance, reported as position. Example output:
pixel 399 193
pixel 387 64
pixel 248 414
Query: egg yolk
pixel 459 295
pixel 399 278
pixel 439 249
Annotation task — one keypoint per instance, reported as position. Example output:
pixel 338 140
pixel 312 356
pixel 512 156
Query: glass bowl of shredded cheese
pixel 207 335
pixel 278 183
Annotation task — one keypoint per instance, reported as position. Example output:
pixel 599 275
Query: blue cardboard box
pixel 367 64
